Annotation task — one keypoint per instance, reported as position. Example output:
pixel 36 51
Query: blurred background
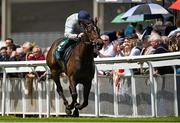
pixel 43 21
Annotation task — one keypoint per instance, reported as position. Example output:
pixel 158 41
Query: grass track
pixel 87 119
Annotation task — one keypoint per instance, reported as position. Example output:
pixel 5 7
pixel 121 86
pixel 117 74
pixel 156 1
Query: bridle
pixel 92 32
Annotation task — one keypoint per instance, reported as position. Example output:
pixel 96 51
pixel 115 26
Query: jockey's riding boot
pixel 58 54
pixel 60 49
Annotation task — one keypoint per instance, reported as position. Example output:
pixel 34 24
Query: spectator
pixel 112 35
pixel 165 41
pixel 173 43
pixel 120 33
pixel 46 51
pixel 10 41
pixel 158 28
pixel 168 27
pixel 127 47
pixel 119 47
pixel 139 30
pixel 11 51
pixel 178 40
pixel 173 32
pixel 153 42
pixel 147 30
pixel 27 48
pixel 3 54
pixel 117 74
pixel 145 44
pixel 36 54
pixel 108 49
pixel 161 48
pixel 130 29
pixel 136 45
pixel 150 43
pixel 19 55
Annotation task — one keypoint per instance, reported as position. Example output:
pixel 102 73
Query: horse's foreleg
pixel 55 77
pixel 73 91
pixel 86 92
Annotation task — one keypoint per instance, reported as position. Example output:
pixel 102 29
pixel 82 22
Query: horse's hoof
pixel 68 112
pixel 77 105
pixel 76 113
pixel 70 107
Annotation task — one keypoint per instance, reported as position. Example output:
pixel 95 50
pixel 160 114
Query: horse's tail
pixel 30 78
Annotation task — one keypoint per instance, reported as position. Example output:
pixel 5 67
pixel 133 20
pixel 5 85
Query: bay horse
pixel 79 68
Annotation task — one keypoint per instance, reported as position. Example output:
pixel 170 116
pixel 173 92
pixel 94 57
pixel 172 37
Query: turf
pixel 87 119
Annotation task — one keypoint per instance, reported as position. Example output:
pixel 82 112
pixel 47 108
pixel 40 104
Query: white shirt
pixel 108 50
pixel 135 52
pixel 70 23
pixel 174 31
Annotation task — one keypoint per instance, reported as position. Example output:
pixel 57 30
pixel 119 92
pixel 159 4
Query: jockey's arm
pixel 68 33
pixel 69 26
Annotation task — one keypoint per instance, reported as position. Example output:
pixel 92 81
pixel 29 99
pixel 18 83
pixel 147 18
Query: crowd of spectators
pixel 134 40
pixel 9 51
pixel 28 51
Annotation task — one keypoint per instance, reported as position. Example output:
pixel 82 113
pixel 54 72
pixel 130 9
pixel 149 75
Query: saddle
pixel 64 50
pixel 68 52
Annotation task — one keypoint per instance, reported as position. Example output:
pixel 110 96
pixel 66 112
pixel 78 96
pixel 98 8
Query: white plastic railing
pixel 149 61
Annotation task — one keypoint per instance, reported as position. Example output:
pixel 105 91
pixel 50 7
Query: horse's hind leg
pixel 86 91
pixel 55 77
pixel 73 91
pixel 74 101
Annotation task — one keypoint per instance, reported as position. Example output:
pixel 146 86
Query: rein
pixel 90 34
pixel 88 42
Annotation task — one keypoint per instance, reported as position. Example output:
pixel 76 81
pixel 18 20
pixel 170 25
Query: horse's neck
pixel 84 48
pixel 85 44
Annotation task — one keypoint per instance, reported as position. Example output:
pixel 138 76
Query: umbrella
pixel 131 19
pixel 175 5
pixel 149 11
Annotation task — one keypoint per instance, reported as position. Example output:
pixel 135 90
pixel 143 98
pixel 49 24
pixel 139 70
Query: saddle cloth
pixel 64 50
pixel 67 53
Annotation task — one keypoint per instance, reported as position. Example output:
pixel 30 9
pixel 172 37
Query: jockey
pixel 73 31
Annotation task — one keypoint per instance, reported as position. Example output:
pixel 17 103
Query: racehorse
pixel 79 68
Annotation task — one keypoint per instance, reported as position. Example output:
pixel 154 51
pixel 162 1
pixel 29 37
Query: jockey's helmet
pixel 83 16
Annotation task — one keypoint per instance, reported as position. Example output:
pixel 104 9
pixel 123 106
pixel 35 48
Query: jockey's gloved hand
pixel 80 35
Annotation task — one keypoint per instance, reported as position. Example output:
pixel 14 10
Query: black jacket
pixel 165 69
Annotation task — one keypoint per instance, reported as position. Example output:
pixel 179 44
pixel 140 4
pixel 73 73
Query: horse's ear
pixel 96 20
